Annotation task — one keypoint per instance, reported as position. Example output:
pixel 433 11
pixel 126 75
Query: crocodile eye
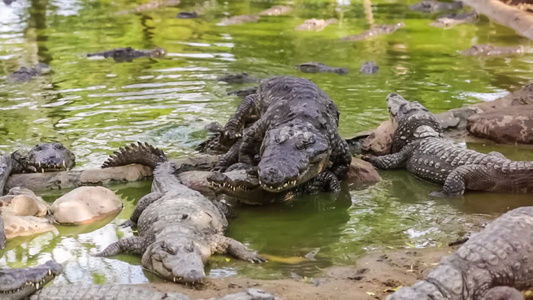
pixel 189 247
pixel 38 148
pixel 59 146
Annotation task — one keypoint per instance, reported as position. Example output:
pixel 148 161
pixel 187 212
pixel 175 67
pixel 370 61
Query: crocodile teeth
pixel 42 170
pixel 37 285
pixel 64 165
pixel 174 279
pixel 49 272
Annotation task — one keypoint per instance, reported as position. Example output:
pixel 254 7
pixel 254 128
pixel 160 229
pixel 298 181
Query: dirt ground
pixel 373 277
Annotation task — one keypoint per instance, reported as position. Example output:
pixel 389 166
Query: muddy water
pixel 97 105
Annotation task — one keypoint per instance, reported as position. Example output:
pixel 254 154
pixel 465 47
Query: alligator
pixel 129 54
pixel 276 10
pixel 451 20
pixel 43 157
pixel 376 30
pixel 369 67
pixel 490 50
pixel 315 24
pixel 238 78
pixel 179 228
pixel 296 136
pixel 25 74
pixel 316 67
pixel 493 264
pixel 419 145
pixel 187 15
pixel 20 283
pixel 237 20
pixel 435 6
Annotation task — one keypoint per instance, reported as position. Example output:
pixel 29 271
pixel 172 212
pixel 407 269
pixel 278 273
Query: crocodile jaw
pixel 20 283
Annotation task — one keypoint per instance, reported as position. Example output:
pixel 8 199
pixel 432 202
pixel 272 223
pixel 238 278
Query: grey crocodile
pixel 20 283
pixel 369 67
pixel 435 6
pixel 494 264
pixel 238 78
pixel 43 157
pixel 104 291
pixel 25 74
pixel 2 234
pixel 187 15
pixel 296 136
pixel 419 146
pixel 491 50
pixel 375 31
pixel 450 20
pixel 242 93
pixel 179 228
pixel 316 67
pixel 129 54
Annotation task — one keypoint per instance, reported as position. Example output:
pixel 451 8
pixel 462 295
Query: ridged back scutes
pixel 136 153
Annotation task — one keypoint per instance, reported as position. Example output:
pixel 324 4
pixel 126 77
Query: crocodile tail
pixel 140 153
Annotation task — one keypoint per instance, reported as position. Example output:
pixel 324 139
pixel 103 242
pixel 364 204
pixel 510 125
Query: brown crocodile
pixel 375 31
pixel 451 20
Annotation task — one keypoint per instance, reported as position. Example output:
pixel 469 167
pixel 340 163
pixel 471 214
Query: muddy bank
pixel 373 277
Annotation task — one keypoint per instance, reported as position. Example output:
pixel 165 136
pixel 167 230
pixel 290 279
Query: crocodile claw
pixel 128 223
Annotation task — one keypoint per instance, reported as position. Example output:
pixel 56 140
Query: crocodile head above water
pixel 176 259
pixel 45 157
pixel 412 121
pixel 292 154
pixel 20 283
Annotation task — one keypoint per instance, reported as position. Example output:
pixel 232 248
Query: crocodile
pixel 296 136
pixel 187 15
pixel 491 50
pixel 237 20
pixel 25 74
pixel 435 6
pixel 493 264
pixel 450 20
pixel 129 54
pixel 369 67
pixel 20 283
pixel 315 24
pixel 238 78
pixel 375 31
pixel 242 93
pixel 276 10
pixel 43 157
pixel 316 67
pixel 2 234
pixel 419 145
pixel 179 228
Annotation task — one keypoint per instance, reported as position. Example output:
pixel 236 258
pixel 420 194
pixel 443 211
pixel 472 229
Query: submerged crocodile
pixel 435 6
pixel 296 136
pixel 129 54
pixel 376 30
pixel 25 74
pixel 494 264
pixel 238 78
pixel 369 67
pixel 316 67
pixel 451 20
pixel 420 147
pixel 179 228
pixel 490 50
pixel 20 283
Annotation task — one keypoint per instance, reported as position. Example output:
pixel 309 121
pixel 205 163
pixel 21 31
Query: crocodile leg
pixel 323 182
pixel 503 292
pixel 132 245
pixel 229 158
pixel 6 166
pixel 340 156
pixel 143 203
pixel 222 244
pixel 251 140
pixel 235 124
pixel 391 161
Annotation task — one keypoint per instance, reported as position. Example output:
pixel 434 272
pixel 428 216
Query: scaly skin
pixel 374 31
pixel 296 136
pixel 494 264
pixel 26 74
pixel 106 291
pixel 179 228
pixel 129 54
pixel 435 6
pixel 19 283
pixel 2 234
pixel 490 50
pixel 420 147
pixel 316 67
pixel 44 157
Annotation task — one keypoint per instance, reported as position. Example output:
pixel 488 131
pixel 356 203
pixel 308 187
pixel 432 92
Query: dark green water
pixel 95 106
